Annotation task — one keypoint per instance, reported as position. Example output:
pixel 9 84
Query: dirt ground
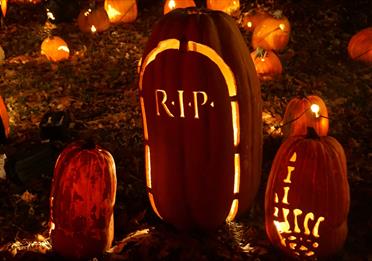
pixel 97 87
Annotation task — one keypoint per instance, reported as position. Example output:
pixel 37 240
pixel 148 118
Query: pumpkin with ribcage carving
pixel 201 110
pixel 304 112
pixel 82 201
pixel 307 197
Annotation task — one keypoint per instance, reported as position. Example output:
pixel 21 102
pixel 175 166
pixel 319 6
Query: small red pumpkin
pixel 304 112
pixel 272 33
pixel 82 201
pixel 360 46
pixel 267 64
pixel 253 18
pixel 307 197
pixel 93 20
pixel 170 5
pixel 55 49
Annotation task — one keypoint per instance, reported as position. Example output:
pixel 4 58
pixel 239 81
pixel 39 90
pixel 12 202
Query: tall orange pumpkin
pixel 307 197
pixel 360 46
pixel 201 110
pixel 267 63
pixel 230 7
pixel 82 201
pixel 121 11
pixel 272 33
pixel 170 5
pixel 304 112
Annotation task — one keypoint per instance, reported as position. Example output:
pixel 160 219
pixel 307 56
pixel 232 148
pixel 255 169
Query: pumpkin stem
pixel 278 14
pixel 260 53
pixel 311 134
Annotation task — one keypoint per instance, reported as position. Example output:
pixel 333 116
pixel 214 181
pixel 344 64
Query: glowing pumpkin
pixel 304 112
pixel 3 5
pixel 230 7
pixel 360 46
pixel 272 33
pixel 124 11
pixel 267 64
pixel 82 201
pixel 307 197
pixel 170 5
pixel 93 20
pixel 201 110
pixel 55 49
pixel 4 123
pixel 253 18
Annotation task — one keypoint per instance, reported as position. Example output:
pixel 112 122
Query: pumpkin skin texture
pixel 360 46
pixel 253 18
pixel 55 49
pixel 272 33
pixel 121 11
pixel 82 201
pixel 4 123
pixel 170 5
pixel 93 20
pixel 230 7
pixel 307 197
pixel 298 117
pixel 267 64
pixel 201 110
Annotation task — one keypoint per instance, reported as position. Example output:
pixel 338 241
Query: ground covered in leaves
pixel 97 86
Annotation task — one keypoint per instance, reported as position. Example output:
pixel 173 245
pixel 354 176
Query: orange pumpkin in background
pixel 253 18
pixel 93 20
pixel 170 5
pixel 82 201
pixel 307 197
pixel 272 33
pixel 55 49
pixel 267 63
pixel 360 46
pixel 4 123
pixel 304 112
pixel 124 11
pixel 231 7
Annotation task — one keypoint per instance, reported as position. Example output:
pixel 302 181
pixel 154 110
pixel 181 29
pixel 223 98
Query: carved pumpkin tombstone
pixel 201 110
pixel 82 201
pixel 307 197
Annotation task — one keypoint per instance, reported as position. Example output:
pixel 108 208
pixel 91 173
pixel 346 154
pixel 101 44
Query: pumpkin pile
pixel 270 34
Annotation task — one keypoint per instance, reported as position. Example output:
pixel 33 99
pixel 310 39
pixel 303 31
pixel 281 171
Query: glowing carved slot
pixel 93 29
pixel 285 226
pixel 112 12
pixel 152 202
pixel 145 131
pixel 233 210
pixel 63 48
pixel 237 173
pixel 235 119
pixel 172 4
pixel 148 166
pixel 315 109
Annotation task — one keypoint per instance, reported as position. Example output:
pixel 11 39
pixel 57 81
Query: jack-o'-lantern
pixel 201 111
pixel 272 33
pixel 55 49
pixel 360 46
pixel 93 20
pixel 124 11
pixel 307 197
pixel 82 201
pixel 253 18
pixel 4 123
pixel 267 63
pixel 230 7
pixel 304 112
pixel 170 5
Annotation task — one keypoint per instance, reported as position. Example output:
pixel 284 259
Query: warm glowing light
pixel 87 12
pixel 236 123
pixel 249 24
pixel 50 15
pixel 148 166
pixel 315 109
pixel 233 210
pixel 172 4
pixel 282 27
pixel 152 202
pixel 93 29
pixel 237 173
pixel 63 48
pixel 112 12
